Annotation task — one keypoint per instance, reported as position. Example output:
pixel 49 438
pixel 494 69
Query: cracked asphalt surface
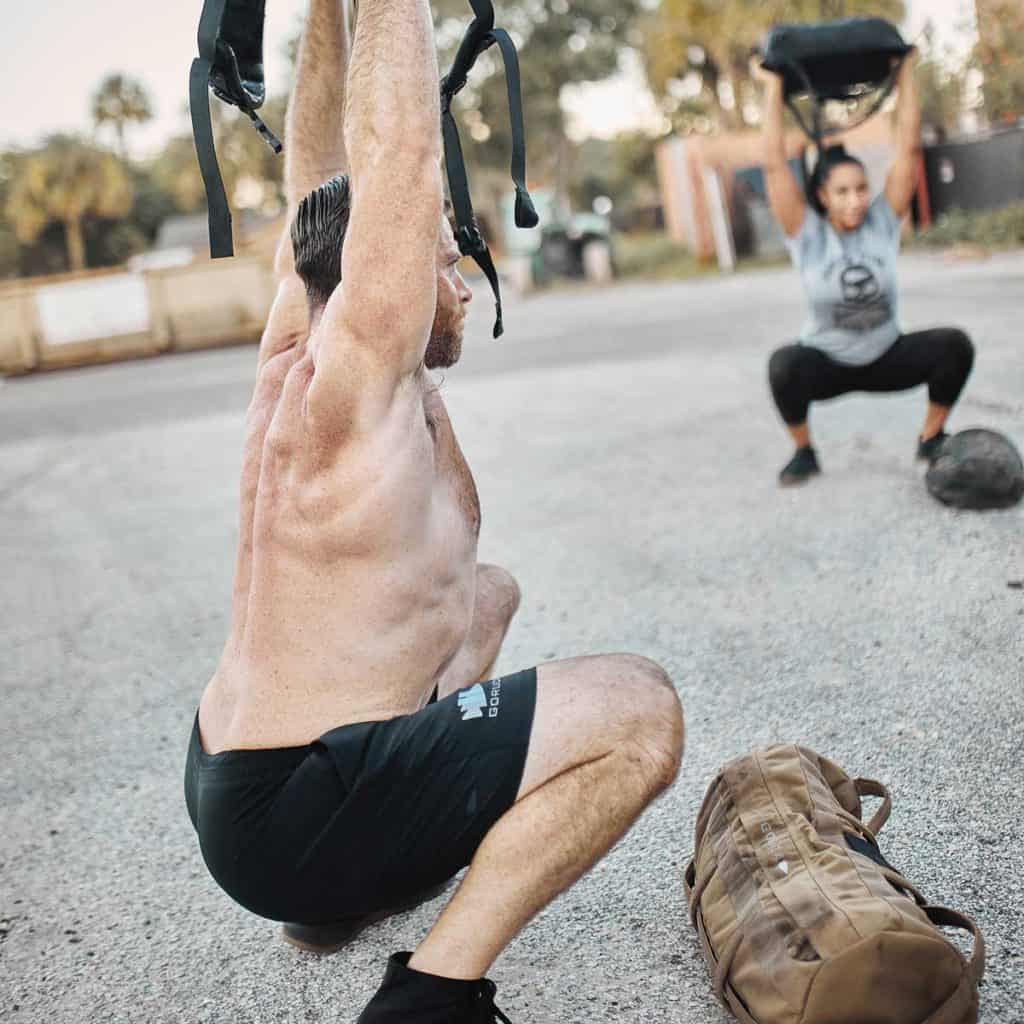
pixel 625 451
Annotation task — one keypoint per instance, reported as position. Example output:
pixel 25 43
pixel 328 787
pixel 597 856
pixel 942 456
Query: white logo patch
pixel 774 844
pixel 472 702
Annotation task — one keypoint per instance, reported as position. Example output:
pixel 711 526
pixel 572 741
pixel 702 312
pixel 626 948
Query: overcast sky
pixel 53 63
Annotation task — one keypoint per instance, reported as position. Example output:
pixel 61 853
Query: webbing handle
pixel 950 918
pixel 481 35
pixel 525 212
pixel 217 67
pixel 871 787
pixel 961 1005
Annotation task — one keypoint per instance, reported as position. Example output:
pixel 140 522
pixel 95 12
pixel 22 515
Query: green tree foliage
pixel 120 101
pixel 10 247
pixel 999 55
pixel 561 42
pixel 253 174
pixel 940 84
pixel 69 182
pixel 697 51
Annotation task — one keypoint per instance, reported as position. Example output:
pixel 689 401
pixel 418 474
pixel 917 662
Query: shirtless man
pixel 323 784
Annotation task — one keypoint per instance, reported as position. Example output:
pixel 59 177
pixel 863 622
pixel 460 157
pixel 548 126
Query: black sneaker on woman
pixel 929 450
pixel 800 468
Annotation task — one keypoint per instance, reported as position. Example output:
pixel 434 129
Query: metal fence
pixel 977 174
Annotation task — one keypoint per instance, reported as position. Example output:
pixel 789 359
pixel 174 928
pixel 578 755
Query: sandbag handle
pixel 871 787
pixel 954 919
pixel 962 1003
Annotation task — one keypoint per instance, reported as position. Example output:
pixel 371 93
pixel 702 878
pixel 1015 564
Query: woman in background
pixel 844 244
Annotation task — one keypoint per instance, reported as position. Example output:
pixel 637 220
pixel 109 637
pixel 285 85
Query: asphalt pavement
pixel 626 455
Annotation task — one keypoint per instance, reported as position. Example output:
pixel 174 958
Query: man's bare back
pixel 356 573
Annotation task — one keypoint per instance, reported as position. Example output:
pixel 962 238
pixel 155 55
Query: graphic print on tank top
pixel 865 305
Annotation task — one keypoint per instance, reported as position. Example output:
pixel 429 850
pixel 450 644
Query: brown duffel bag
pixel 802 919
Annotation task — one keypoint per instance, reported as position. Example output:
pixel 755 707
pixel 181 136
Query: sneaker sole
pixel 797 481
pixel 326 939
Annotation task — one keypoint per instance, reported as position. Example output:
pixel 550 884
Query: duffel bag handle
pixel 957 1006
pixel 870 787
pixel 954 919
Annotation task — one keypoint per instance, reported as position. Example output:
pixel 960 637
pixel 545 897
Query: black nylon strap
pixel 816 132
pixel 480 36
pixel 217 67
pixel 526 215
pixel 467 235
pixel 869 850
pixel 218 211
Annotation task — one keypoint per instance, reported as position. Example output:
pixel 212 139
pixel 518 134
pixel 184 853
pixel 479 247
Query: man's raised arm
pixel 386 301
pixel 314 126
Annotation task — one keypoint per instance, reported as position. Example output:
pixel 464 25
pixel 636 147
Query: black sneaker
pixel 325 939
pixel 408 996
pixel 929 450
pixel 800 468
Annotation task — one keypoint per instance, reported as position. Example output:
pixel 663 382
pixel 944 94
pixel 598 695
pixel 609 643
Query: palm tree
pixel 67 181
pixel 120 101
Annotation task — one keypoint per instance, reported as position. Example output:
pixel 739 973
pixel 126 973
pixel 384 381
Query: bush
pixel 1002 228
pixel 652 255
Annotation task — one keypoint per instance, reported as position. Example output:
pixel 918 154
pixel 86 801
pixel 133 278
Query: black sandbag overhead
pixel 230 62
pixel 834 60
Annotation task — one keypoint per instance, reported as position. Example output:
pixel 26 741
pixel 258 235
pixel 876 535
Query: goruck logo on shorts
pixel 473 701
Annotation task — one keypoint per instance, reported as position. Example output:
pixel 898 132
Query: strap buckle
pixel 470 240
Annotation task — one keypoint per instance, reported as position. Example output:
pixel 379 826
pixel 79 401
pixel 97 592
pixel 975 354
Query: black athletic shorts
pixel 367 816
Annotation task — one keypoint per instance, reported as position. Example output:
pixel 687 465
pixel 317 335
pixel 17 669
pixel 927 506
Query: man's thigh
pixel 587 707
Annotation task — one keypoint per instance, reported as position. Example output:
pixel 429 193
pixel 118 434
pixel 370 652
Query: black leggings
pixel 941 358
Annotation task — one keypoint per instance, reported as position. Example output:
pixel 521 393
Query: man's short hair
pixel 318 234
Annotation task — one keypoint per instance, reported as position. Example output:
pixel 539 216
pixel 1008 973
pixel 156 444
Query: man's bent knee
pixel 499 590
pixel 656 728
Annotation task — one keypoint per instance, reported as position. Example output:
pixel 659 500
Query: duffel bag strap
pixel 695 889
pixel 727 993
pixel 870 787
pixel 956 1008
pixel 948 918
pixel 725 964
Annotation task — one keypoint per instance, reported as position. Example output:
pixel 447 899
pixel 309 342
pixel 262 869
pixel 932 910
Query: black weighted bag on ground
pixel 977 469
